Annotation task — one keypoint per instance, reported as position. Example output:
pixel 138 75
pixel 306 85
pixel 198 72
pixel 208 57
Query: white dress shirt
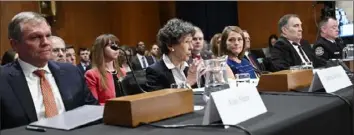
pixel 178 74
pixel 33 83
pixel 83 66
pixel 140 57
pixel 298 52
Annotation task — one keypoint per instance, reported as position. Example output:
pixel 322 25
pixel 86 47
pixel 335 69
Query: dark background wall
pixel 210 16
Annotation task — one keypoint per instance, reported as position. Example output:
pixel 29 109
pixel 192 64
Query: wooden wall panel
pixel 7 10
pixel 79 23
pixel 135 21
pixel 260 19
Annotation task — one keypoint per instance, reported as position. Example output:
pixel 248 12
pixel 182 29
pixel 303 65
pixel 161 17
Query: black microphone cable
pixel 132 71
pixel 198 125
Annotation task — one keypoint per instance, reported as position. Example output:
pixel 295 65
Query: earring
pixel 172 49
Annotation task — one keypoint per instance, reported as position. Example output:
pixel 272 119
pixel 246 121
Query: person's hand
pixel 194 67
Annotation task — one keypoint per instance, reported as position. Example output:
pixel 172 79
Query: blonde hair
pixel 98 57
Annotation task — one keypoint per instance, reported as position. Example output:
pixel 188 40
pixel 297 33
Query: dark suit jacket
pixel 283 55
pixel 82 68
pixel 17 106
pixel 328 50
pixel 136 63
pixel 159 77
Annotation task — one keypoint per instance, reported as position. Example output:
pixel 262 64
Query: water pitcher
pixel 348 52
pixel 215 76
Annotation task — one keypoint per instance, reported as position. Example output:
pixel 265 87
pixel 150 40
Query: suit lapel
pixel 19 85
pixel 168 73
pixel 137 64
pixel 297 59
pixel 58 75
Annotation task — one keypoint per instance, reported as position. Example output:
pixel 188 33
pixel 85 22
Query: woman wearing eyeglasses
pixel 103 78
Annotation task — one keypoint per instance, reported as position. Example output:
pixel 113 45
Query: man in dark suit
pixel 290 49
pixel 35 87
pixel 84 64
pixel 140 61
pixel 328 45
pixel 248 55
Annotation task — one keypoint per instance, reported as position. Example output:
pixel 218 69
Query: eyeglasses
pixel 114 46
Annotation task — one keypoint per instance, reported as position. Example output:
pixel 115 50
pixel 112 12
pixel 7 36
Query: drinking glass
pixel 306 65
pixel 242 78
pixel 178 85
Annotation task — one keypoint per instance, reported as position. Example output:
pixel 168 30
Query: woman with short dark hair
pixel 175 41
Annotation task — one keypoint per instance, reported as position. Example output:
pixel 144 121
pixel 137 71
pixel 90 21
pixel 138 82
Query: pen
pixel 38 129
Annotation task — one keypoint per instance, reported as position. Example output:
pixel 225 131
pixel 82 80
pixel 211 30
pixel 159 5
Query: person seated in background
pixel 70 54
pixel 328 45
pixel 233 44
pixel 35 87
pixel 104 77
pixel 59 50
pixel 215 45
pixel 8 57
pixel 85 62
pixel 198 45
pixel 123 60
pixel 290 49
pixel 140 61
pixel 271 42
pixel 155 53
pixel 217 53
pixel 252 59
pixel 175 41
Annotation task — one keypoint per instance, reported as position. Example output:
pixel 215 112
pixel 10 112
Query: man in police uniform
pixel 328 45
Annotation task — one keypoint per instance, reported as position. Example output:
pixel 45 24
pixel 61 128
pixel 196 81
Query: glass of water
pixel 242 78
pixel 178 85
pixel 306 65
pixel 295 68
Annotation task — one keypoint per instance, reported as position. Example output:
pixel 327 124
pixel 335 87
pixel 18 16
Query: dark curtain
pixel 210 16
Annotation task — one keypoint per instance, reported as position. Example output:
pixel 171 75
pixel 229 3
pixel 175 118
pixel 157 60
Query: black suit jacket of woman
pixel 283 55
pixel 158 76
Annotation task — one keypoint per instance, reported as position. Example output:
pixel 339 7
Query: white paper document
pixel 73 118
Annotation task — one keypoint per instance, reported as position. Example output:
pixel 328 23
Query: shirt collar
pixel 170 65
pixel 291 42
pixel 28 69
pixel 332 41
pixel 139 56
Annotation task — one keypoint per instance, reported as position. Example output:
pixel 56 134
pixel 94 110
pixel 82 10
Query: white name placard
pixel 234 105
pixel 331 79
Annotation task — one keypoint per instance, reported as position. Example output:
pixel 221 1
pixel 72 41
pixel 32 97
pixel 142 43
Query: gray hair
pixel 56 38
pixel 172 32
pixel 324 21
pixel 284 21
pixel 15 28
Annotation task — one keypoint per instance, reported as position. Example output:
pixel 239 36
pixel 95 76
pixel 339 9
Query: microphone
pixel 132 71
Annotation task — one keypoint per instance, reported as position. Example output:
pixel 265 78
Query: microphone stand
pixel 132 71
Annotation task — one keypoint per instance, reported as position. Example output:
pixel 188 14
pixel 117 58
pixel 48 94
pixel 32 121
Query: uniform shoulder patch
pixel 319 51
